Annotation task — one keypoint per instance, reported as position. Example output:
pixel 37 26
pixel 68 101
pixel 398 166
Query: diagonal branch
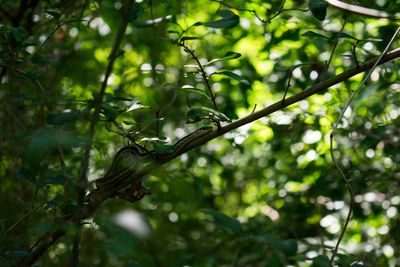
pixel 97 197
pixel 362 10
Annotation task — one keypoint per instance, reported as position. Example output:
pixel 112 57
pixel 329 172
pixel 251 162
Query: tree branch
pixel 362 10
pixel 97 197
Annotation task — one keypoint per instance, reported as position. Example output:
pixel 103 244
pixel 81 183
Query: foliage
pixel 264 194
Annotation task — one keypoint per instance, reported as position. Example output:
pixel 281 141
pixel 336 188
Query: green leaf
pixel 18 33
pixel 345 36
pixel 40 228
pixel 223 221
pixel 45 141
pixel 69 208
pixel 163 148
pixel 228 56
pixel 188 38
pixel 54 14
pixel 120 98
pixel 233 76
pixel 122 101
pixel 197 24
pixel 288 247
pixel 197 114
pixel 32 74
pixel 109 111
pixel 56 180
pixel 63 117
pixel 321 261
pixel 318 8
pixel 25 174
pixel 39 59
pixel 225 13
pixel 226 22
pixel 19 253
pixel 189 89
pixel 54 202
pixel 174 32
pixel 120 241
pixel 311 35
pixel 137 105
pixel 231 55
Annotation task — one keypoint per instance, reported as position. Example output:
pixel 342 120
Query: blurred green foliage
pixel 266 194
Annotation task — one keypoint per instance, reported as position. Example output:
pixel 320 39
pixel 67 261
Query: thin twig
pixel 346 180
pixel 335 43
pixel 290 77
pixel 202 71
pixel 353 52
pixel 254 108
pixel 252 11
pixel 55 30
pixel 21 219
pixel 38 84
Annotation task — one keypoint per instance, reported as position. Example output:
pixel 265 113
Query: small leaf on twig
pixel 233 76
pixel 191 89
pixel 318 8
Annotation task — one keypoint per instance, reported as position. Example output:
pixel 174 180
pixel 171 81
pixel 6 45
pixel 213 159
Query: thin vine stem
pixel 203 73
pixel 344 177
pixel 336 42
pixel 252 11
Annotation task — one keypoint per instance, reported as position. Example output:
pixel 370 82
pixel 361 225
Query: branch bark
pixel 97 197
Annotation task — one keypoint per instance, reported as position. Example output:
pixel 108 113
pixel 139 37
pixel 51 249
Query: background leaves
pixel 265 194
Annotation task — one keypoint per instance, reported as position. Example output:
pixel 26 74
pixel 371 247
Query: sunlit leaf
pixel 137 105
pixel 228 56
pixel 231 55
